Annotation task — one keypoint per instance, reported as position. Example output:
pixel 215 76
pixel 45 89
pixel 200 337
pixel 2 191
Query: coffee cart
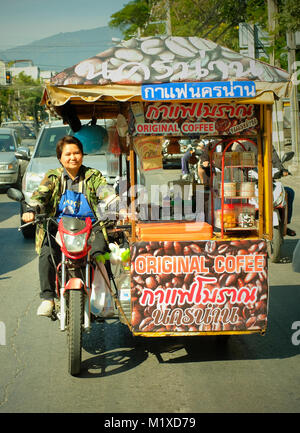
pixel 198 252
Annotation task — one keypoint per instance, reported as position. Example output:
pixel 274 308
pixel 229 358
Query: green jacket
pixel 49 193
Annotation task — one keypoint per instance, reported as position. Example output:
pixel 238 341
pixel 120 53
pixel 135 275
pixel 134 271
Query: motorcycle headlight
pixel 74 244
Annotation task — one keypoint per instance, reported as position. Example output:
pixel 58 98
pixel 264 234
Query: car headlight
pixel 10 166
pixel 31 181
pixel 74 244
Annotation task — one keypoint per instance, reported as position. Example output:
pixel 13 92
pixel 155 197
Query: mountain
pixel 62 50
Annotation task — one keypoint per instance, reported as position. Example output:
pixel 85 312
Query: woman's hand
pixel 28 217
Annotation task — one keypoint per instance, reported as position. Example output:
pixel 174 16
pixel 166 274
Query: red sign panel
pixel 197 118
pixel 199 286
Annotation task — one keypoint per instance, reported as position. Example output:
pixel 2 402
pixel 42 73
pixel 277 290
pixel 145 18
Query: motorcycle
pixel 279 210
pixel 74 278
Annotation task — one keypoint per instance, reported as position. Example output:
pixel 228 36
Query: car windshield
pixel 24 130
pixel 7 143
pixel 50 137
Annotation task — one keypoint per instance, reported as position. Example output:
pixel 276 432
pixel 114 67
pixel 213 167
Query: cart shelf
pixel 254 228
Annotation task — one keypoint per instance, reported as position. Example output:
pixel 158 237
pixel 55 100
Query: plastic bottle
pixel 123 285
pixel 229 217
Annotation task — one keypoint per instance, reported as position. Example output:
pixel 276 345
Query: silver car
pixel 11 168
pixel 44 158
pixel 27 131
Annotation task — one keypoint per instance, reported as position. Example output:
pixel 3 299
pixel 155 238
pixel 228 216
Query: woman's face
pixel 71 158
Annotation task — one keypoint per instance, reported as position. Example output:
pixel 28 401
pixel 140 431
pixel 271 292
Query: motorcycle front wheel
pixel 75 320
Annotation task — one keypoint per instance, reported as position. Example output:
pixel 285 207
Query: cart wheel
pixel 223 339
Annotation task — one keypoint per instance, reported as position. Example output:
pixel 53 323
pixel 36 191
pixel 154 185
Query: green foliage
pixel 132 17
pixel 210 19
pixel 21 99
pixel 5 106
pixel 289 15
pixel 257 13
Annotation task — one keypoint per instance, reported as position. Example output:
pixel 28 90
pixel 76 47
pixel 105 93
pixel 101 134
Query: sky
pixel 25 21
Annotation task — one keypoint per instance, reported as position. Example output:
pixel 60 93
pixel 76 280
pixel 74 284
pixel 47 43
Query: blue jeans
pixel 290 199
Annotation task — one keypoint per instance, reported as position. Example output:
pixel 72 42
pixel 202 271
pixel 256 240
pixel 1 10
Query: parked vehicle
pixel 44 158
pixel 26 130
pixel 279 212
pixel 11 167
pixel 296 258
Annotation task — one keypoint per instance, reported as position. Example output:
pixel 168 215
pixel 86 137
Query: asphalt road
pixel 168 375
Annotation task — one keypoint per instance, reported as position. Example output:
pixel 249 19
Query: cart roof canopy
pixel 119 73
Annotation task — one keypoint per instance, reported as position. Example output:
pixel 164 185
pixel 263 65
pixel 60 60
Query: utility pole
pixel 272 10
pixel 294 106
pixel 168 23
pixel 277 110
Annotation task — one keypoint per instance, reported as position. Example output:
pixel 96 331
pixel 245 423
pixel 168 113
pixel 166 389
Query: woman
pixel 71 190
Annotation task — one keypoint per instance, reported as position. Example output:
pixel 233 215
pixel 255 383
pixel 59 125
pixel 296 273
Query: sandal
pixel 290 232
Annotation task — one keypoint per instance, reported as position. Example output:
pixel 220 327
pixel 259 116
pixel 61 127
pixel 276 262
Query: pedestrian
pixel 277 165
pixel 185 161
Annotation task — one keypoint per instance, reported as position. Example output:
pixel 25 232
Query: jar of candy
pixel 229 189
pixel 229 217
pixel 246 189
pixel 245 214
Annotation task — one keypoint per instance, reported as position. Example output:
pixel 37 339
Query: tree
pixel 21 99
pixel 5 106
pixel 208 19
pixel 211 19
pixel 287 19
pixel 289 16
pixel 132 17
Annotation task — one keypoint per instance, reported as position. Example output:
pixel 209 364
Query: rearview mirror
pixel 23 153
pixel 15 194
pixel 287 156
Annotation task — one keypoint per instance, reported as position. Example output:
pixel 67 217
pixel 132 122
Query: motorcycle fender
pixel 275 218
pixel 74 284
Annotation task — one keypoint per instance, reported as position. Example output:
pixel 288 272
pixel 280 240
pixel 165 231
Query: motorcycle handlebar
pixel 279 174
pixel 38 218
pixel 44 217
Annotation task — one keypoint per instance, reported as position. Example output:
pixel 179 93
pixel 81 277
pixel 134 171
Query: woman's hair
pixel 67 139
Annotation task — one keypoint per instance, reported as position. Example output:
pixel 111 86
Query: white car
pixel 26 130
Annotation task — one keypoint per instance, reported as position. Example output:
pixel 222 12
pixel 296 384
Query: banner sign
pixel 176 60
pixel 206 90
pixel 199 286
pixel 196 118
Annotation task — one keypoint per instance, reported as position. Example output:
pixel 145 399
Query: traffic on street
pixel 149 210
pixel 248 373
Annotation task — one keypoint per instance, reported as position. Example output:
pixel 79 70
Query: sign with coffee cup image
pixel 201 286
